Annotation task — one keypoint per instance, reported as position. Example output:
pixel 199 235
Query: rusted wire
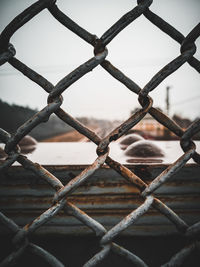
pixel 59 201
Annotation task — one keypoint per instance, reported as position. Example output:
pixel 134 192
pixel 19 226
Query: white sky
pixel 139 51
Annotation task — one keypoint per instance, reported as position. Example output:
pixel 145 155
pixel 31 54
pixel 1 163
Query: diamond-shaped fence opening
pixel 147 194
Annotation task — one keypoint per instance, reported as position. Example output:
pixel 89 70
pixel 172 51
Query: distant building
pixel 150 125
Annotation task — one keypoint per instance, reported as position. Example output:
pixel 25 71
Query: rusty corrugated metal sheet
pixel 105 196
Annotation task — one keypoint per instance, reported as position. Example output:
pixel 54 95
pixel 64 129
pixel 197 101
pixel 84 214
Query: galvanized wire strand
pixel 8 223
pixel 98 257
pixel 81 178
pixel 172 32
pixel 168 172
pixel 178 222
pixel 71 25
pixel 127 221
pixel 127 255
pixel 31 74
pixel 45 255
pixel 167 70
pixel 23 130
pixel 44 217
pixel 179 258
pixel 193 230
pixel 21 243
pixel 125 21
pixel 21 19
pixel 14 256
pixel 77 74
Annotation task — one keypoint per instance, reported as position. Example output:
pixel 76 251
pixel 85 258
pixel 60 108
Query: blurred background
pixel 97 99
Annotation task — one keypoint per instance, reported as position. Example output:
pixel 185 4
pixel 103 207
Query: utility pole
pixel 167 100
pixel 167 133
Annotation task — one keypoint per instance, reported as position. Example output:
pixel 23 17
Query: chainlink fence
pixel 54 96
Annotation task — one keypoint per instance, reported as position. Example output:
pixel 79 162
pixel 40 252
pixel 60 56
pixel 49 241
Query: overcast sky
pixel 139 51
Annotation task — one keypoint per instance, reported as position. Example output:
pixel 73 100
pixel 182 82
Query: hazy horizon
pixel 139 51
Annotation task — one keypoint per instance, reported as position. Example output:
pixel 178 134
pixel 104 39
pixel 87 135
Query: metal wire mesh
pixel 60 202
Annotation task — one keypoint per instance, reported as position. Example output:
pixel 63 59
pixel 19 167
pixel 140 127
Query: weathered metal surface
pixel 107 197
